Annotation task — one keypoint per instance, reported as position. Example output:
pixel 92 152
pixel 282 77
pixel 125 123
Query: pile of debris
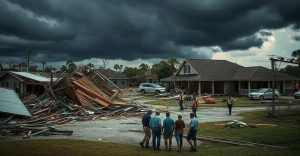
pixel 76 96
pixel 236 124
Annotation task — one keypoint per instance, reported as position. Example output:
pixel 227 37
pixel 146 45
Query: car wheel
pixel 143 91
pixel 261 97
pixel 157 92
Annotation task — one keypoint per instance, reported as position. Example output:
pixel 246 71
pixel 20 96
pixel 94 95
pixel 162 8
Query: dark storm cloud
pixel 296 38
pixel 130 29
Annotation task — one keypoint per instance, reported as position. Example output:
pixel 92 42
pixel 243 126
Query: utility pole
pixel 273 87
pixel 273 60
pixel 28 56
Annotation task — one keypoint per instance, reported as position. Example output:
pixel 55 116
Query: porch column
pixel 188 83
pixel 239 87
pixel 283 87
pixel 249 86
pixel 199 88
pixel 212 87
pixel 174 84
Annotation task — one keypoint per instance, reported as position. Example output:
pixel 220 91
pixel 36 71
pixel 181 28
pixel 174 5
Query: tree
pixel 90 65
pixel 120 67
pixel 71 66
pixel 162 69
pixel 291 70
pixel 116 67
pixel 173 62
pixel 296 53
pixel 63 68
pixel 131 72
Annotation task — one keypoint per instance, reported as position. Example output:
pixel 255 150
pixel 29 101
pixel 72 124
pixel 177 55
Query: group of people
pixel 153 126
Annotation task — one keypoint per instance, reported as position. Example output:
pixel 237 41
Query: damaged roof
pixel 10 103
pixel 32 76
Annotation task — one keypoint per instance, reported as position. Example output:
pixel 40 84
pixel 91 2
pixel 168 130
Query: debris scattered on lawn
pixel 236 124
pixel 76 96
pixel 239 124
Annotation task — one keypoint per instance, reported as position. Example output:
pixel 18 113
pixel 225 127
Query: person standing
pixel 146 128
pixel 229 102
pixel 194 106
pixel 168 129
pixel 155 125
pixel 192 132
pixel 181 100
pixel 179 126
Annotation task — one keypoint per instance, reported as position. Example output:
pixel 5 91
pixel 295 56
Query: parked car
pixel 151 88
pixel 263 93
pixel 297 94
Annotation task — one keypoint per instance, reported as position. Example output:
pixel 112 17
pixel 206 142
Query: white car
pixel 151 88
pixel 297 94
pixel 263 93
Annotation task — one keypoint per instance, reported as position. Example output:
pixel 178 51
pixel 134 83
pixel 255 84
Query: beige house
pixel 221 77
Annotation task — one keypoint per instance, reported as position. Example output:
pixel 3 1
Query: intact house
pixel 23 82
pixel 221 77
pixel 119 79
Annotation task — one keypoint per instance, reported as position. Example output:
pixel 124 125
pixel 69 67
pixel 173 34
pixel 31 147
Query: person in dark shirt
pixel 146 128
pixel 179 126
pixel 181 96
pixel 194 106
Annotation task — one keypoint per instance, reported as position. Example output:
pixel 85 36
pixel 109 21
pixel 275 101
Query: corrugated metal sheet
pixel 11 103
pixel 32 76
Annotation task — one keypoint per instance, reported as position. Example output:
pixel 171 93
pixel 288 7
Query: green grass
pixel 220 102
pixel 286 134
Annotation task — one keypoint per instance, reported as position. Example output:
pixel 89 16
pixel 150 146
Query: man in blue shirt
pixel 168 128
pixel 155 125
pixel 146 128
pixel 192 132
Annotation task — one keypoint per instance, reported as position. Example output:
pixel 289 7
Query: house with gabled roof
pixel 23 82
pixel 118 78
pixel 221 77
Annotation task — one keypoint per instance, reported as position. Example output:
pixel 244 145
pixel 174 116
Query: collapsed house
pixel 76 96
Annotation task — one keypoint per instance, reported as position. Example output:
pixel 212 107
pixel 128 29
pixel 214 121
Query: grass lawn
pixel 286 134
pixel 239 102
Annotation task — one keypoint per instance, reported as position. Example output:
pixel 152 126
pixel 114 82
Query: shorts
pixel 168 135
pixel 192 135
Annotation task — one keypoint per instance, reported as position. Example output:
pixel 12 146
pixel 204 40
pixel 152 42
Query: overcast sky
pixel 131 32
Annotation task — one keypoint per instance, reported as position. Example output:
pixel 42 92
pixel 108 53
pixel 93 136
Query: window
pixel 186 69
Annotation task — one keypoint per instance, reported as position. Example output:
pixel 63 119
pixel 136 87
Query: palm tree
pixel 90 65
pixel 116 67
pixel 71 65
pixel 121 67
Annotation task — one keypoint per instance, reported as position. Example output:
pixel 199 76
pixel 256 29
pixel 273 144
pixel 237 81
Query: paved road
pixel 118 130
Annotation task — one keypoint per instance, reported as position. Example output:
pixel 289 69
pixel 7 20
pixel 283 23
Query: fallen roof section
pixel 10 103
pixel 32 76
